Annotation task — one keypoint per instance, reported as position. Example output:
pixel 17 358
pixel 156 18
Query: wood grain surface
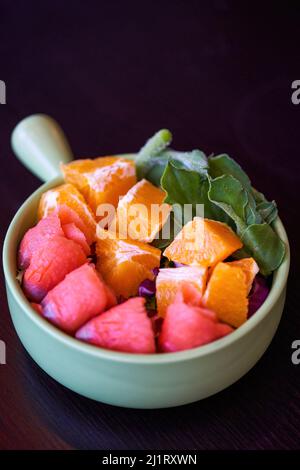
pixel 219 75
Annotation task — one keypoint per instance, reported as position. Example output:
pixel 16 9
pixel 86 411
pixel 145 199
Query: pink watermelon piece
pixel 187 325
pixel 69 307
pixel 190 295
pixel 68 216
pixel 47 228
pixel 72 232
pixel 49 264
pixel 125 327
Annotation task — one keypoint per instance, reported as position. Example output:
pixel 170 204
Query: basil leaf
pixel 258 196
pixel 253 216
pixel 228 193
pixel 189 187
pixel 162 240
pixel 155 173
pixel 153 158
pixel 267 209
pixel 224 165
pixel 265 246
pixel 162 243
pixel 192 161
pixel 153 146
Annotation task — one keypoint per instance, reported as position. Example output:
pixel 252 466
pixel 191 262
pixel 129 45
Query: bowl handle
pixel 40 144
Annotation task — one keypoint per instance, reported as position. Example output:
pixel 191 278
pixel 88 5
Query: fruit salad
pixel 157 252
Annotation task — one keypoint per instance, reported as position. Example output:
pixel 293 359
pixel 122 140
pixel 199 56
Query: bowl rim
pixel 279 282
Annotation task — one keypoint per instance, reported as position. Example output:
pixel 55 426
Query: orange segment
pixel 203 242
pixel 169 281
pixel 141 212
pixel 250 268
pixel 66 196
pixel 102 180
pixel 124 264
pixel 226 294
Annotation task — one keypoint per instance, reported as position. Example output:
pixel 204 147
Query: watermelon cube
pixel 72 232
pixel 187 325
pixel 47 228
pixel 125 327
pixel 68 215
pixel 69 307
pixel 49 264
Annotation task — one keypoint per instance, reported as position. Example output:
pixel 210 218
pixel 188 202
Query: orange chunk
pixel 142 212
pixel 102 180
pixel 203 242
pixel 170 280
pixel 124 264
pixel 70 206
pixel 250 268
pixel 226 294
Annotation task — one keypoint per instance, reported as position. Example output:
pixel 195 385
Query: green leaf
pixel 258 196
pixel 152 159
pixel 260 240
pixel 228 193
pixel 182 186
pixel 192 161
pixel 265 246
pixel 267 209
pixel 153 146
pixel 189 187
pixel 224 165
pixel 241 253
pixel 161 241
pixel 155 173
pixel 253 216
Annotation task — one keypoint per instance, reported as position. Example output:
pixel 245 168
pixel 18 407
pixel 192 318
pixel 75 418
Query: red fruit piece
pixel 72 232
pixel 47 228
pixel 68 215
pixel 68 197
pixel 37 308
pixel 187 325
pixel 69 307
pixel 49 264
pixel 125 327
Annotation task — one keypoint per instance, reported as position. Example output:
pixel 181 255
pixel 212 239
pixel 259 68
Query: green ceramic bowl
pixel 137 381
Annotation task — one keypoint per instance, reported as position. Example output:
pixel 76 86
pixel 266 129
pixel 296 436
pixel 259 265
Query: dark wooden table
pixel 112 73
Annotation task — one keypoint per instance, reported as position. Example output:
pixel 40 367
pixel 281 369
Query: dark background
pixel 219 75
